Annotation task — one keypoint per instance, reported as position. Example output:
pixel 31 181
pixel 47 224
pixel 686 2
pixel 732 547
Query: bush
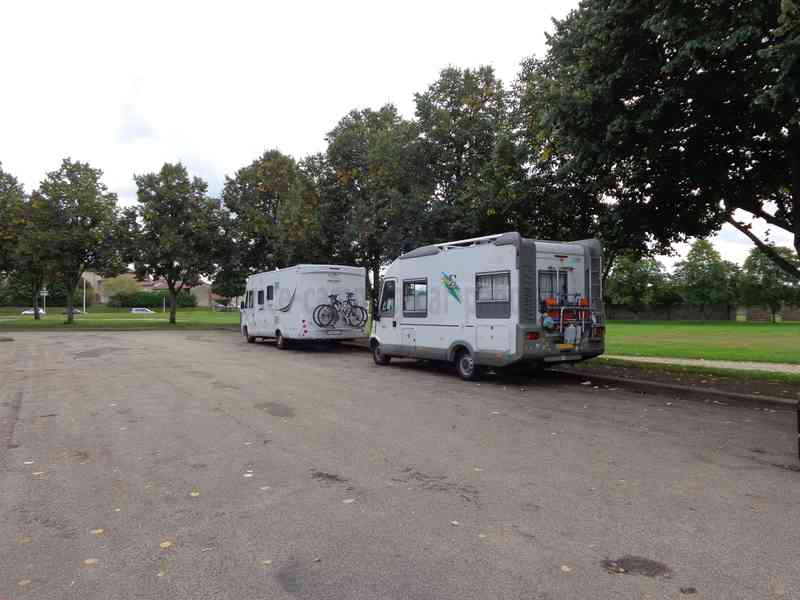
pixel 152 300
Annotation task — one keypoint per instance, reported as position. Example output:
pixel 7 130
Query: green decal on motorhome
pixel 450 284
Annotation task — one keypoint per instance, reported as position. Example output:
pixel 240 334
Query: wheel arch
pixel 457 347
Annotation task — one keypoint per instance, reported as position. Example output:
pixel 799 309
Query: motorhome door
pixel 388 331
pixel 266 309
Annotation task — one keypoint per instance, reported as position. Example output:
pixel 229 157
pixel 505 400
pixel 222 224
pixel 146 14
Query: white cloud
pixel 128 86
pixel 731 243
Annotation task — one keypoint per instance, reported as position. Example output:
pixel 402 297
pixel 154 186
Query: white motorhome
pixel 305 302
pixel 492 301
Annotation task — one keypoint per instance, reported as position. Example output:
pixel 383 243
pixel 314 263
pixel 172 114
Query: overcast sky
pixel 128 86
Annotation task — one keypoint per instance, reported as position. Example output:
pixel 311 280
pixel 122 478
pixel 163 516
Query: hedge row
pixel 152 300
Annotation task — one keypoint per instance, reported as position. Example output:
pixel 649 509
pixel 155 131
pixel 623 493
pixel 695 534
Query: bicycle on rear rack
pixel 327 315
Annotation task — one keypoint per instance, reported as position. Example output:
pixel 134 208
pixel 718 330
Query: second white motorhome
pixel 305 302
pixel 492 301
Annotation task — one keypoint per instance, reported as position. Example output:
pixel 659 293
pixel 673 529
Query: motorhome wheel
pixel 281 342
pixel 466 367
pixel 378 356
pixel 250 338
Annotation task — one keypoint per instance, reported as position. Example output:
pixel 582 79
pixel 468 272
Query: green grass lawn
pixel 716 340
pixel 106 318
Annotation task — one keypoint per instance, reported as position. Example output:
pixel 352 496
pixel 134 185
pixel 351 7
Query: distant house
pixel 201 291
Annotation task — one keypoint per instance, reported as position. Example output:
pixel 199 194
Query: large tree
pixel 83 213
pixel 463 118
pixel 684 114
pixel 177 234
pixel 766 284
pixel 382 186
pixel 705 278
pixel 633 282
pixel 12 197
pixel 255 197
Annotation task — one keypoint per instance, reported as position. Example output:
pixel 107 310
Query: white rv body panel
pixel 484 297
pixel 284 300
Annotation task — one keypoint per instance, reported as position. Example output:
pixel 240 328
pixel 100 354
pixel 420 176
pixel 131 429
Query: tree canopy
pixel 705 278
pixel 178 233
pixel 82 214
pixel 765 284
pixel 685 115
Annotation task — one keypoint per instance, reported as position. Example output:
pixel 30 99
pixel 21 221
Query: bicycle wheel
pixel 325 315
pixel 358 316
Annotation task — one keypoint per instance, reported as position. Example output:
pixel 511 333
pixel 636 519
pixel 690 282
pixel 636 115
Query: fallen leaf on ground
pixel 194 493
pixel 247 475
pixel 23 582
pixel 481 535
pixel 98 531
pixel 90 561
pixel 24 540
pixel 165 544
pixel 348 500
pixel 266 562
pixel 38 473
pixel 586 383
pixel 566 569
pixel 264 488
pixel 454 523
pixel 478 469
pixel 29 462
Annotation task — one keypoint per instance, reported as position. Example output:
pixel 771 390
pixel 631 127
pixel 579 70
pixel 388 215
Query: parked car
pixel 142 311
pixel 75 311
pixel 30 311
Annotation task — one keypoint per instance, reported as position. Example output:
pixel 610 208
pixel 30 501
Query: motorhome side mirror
pixel 241 305
pixel 376 314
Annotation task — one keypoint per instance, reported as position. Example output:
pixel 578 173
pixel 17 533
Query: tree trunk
pixel 173 304
pixel 36 315
pixel 70 302
pixel 794 152
pixel 376 282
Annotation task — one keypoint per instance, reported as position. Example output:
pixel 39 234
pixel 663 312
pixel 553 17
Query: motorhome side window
pixel 260 297
pixel 387 299
pixel 493 295
pixel 270 292
pixel 248 303
pixel 415 298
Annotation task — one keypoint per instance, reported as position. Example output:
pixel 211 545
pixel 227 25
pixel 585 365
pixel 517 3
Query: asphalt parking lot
pixel 191 465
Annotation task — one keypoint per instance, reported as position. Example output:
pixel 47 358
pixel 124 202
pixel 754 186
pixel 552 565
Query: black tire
pixel 281 342
pixel 466 367
pixel 325 315
pixel 378 356
pixel 538 369
pixel 251 339
pixel 358 316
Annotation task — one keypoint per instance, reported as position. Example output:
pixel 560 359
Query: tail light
pixel 532 336
pixel 598 332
